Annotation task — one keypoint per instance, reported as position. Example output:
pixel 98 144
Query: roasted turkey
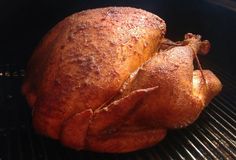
pixel 107 80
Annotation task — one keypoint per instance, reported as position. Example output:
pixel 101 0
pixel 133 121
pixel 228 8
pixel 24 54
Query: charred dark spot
pixel 130 45
pixel 57 82
pixel 113 73
pixel 135 53
pixel 78 28
pixel 62 46
pixel 135 39
pixel 112 13
pixel 97 72
pixel 109 131
pixel 112 44
pixel 129 25
pixel 123 59
pixel 103 19
pixel 82 26
pixel 70 38
pixel 83 85
pixel 99 26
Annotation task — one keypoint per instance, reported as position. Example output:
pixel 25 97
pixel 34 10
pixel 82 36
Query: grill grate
pixel 212 136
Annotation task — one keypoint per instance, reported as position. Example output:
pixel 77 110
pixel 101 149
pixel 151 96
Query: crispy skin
pixel 96 82
pixel 182 91
pixel 165 93
pixel 110 132
pixel 75 129
pixel 83 61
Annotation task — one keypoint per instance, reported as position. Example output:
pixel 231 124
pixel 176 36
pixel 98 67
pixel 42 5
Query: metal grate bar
pixel 214 148
pixel 223 120
pixel 230 84
pixel 229 117
pixel 221 135
pixel 189 141
pixel 225 135
pixel 209 152
pixel 230 105
pixel 227 81
pixel 177 152
pixel 177 142
pixel 219 144
pixel 224 144
pixel 222 104
pixel 166 154
pixel 220 125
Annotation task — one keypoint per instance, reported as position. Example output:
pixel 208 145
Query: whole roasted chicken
pixel 107 80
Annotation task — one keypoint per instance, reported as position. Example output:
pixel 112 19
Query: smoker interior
pixel 212 136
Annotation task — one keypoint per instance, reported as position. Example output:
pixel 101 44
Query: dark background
pixel 24 22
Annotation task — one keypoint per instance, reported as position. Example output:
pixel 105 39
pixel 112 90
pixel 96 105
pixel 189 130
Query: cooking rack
pixel 212 136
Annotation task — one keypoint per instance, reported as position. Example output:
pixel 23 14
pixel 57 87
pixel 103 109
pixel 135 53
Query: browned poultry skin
pixel 182 91
pixel 83 61
pixel 164 93
pixel 95 81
